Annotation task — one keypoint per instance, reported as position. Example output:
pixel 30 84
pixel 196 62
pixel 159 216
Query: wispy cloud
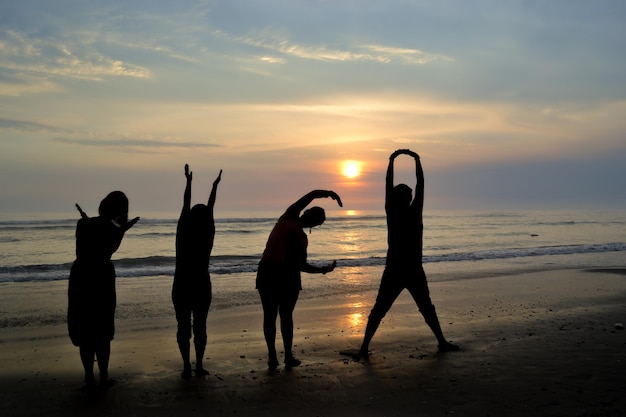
pixel 411 56
pixel 135 143
pixel 271 60
pixel 118 40
pixel 375 53
pixel 26 126
pixel 74 137
pixel 19 84
pixel 60 58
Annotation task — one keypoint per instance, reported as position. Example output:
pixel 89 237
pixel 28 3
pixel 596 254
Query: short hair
pixel 314 216
pixel 401 194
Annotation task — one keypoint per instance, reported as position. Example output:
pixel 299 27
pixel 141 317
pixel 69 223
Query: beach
pixel 547 343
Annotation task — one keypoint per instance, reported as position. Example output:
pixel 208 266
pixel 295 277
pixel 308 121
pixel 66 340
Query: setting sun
pixel 351 169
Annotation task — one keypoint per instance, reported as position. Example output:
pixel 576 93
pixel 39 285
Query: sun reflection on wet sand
pixel 356 319
pixel 356 316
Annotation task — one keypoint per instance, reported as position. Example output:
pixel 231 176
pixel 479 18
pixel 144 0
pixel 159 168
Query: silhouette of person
pixel 403 267
pixel 191 290
pixel 279 272
pixel 91 290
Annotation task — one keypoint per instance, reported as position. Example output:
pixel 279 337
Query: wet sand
pixel 541 344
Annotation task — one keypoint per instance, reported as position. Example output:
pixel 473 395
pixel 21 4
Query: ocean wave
pixel 234 264
pixel 12 226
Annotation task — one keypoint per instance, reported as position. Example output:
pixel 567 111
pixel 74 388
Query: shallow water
pixel 36 254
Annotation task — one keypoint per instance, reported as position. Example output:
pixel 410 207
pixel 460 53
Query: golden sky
pixel 510 105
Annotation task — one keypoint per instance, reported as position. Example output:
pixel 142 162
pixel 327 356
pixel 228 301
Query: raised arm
pixel 187 195
pixel 295 209
pixel 82 213
pixel 418 201
pixel 130 224
pixel 389 177
pixel 213 195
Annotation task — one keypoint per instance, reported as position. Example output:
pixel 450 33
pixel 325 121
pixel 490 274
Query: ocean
pixel 457 245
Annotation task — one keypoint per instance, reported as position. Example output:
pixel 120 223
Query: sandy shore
pixel 536 344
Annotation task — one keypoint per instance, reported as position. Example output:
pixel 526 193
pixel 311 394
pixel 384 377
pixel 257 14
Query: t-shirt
pixel 194 242
pixel 286 245
pixel 404 237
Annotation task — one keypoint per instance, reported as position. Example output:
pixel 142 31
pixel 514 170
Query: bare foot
pixel 356 354
pixel 89 388
pixel 272 363
pixel 448 347
pixel 201 372
pixel 291 362
pixel 108 383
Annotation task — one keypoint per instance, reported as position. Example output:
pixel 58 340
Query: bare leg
pixel 421 294
pixel 433 322
pixel 183 334
pixel 200 345
pixel 430 316
pixel 387 294
pixel 200 337
pixel 286 328
pixel 183 347
pixel 270 313
pixel 370 330
pixel 103 354
pixel 87 355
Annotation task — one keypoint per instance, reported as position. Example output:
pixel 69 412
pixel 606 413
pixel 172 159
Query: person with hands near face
pixel 91 290
pixel 191 290
pixel 279 272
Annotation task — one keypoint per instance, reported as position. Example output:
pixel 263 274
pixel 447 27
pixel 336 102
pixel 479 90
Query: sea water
pixel 457 245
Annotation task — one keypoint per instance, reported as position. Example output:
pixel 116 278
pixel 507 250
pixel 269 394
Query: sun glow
pixel 351 169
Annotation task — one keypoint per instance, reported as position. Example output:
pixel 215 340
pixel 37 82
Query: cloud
pixel 374 53
pixel 411 56
pixel 25 126
pixel 118 40
pixel 67 57
pixel 272 60
pixel 15 86
pixel 135 143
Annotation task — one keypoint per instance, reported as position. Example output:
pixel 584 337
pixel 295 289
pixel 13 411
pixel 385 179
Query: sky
pixel 511 105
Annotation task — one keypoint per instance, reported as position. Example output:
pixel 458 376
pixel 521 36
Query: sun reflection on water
pixel 350 242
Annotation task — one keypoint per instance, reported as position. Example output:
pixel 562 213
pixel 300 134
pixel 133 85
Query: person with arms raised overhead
pixel 191 291
pixel 403 268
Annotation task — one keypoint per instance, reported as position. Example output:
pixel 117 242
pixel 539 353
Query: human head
pixel 312 217
pixel 401 195
pixel 199 214
pixel 114 206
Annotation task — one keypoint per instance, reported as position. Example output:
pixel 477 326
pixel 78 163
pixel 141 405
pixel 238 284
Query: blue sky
pixel 511 104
